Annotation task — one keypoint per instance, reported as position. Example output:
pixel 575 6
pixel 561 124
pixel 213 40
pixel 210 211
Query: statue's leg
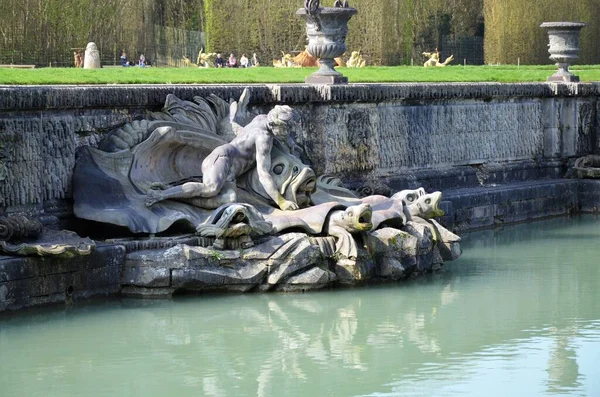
pixel 214 179
pixel 226 195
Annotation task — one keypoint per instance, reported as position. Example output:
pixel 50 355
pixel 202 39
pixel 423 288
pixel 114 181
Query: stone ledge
pixel 489 206
pixel 31 98
pixel 33 281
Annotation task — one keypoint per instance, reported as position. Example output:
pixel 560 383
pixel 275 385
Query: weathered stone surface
pixel 390 268
pixel 303 255
pixel 241 277
pixel 268 248
pixel 493 205
pixel 41 280
pixel 146 276
pixel 201 256
pixel 390 240
pixel 517 134
pixel 314 278
pixel 394 251
pixel 589 195
pixel 348 271
pixel 520 123
pixel 196 268
pixel 449 251
pixel 423 234
pixel 143 292
pixel 418 250
pixel 169 258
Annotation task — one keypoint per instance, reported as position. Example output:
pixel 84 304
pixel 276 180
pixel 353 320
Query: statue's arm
pixel 263 166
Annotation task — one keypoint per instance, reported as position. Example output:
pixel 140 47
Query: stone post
pixel 92 57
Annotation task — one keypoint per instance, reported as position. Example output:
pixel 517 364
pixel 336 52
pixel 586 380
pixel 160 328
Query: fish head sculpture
pixel 427 206
pixel 409 196
pixel 295 181
pixel 354 219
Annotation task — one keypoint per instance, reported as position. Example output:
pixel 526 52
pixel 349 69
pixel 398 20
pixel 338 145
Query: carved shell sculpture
pixel 111 182
pixel 20 235
pixel 207 114
pixel 18 228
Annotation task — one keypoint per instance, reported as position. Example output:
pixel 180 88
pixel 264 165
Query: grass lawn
pixel 397 74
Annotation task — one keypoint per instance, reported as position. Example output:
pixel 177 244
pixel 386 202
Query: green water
pixel 517 315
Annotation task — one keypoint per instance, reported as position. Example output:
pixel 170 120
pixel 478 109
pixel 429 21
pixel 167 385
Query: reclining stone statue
pixel 252 147
pixel 207 168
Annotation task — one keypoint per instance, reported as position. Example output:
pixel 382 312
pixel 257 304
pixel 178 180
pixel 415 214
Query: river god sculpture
pixel 254 215
pixel 220 169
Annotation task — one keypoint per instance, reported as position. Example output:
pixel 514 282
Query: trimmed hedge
pixel 388 32
pixel 513 33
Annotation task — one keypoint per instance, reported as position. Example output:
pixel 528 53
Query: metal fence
pixel 467 50
pixel 169 48
pixel 172 45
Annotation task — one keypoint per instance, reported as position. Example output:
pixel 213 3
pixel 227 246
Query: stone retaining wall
pixel 34 281
pixel 497 151
pixel 404 135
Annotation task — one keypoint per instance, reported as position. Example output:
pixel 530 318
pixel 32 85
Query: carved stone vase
pixel 326 28
pixel 563 47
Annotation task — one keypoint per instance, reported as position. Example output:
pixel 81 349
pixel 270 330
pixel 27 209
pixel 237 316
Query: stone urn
pixel 563 47
pixel 326 28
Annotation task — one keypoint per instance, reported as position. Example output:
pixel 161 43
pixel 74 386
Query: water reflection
pixel 516 306
pixel 563 370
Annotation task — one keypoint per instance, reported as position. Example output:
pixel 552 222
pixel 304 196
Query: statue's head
pixel 281 119
pixel 356 218
pixel 427 206
pixel 409 196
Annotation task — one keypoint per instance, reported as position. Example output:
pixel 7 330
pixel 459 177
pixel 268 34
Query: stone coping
pixel 563 25
pixel 28 98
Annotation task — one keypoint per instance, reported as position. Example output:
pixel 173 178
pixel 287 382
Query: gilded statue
pixel 206 59
pixel 434 59
pixel 356 60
